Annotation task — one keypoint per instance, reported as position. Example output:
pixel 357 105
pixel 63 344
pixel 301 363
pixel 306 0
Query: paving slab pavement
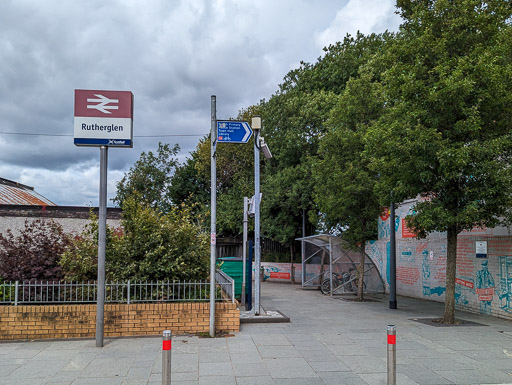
pixel 327 341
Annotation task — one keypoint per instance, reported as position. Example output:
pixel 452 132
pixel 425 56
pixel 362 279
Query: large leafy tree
pixel 344 181
pixel 445 134
pixel 294 121
pixel 150 178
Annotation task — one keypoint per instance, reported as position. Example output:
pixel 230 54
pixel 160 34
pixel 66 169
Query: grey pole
pixel 244 248
pixel 392 259
pixel 213 198
pixel 257 250
pixel 391 355
pixel 102 241
pixel 166 357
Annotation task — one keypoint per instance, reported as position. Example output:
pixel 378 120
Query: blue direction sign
pixel 233 132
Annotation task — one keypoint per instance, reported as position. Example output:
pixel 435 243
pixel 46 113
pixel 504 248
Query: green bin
pixel 233 266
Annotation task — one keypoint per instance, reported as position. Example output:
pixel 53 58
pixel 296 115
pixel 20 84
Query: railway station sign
pixel 103 118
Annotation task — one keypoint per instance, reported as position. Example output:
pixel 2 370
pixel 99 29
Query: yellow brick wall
pixel 75 321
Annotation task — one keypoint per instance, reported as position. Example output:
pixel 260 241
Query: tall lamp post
pixel 259 145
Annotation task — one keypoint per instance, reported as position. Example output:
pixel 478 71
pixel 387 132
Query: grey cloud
pixel 171 54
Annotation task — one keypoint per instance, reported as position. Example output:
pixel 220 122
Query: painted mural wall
pixel 484 265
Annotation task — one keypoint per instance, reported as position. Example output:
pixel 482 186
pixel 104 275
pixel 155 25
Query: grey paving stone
pixel 214 357
pixel 79 361
pixel 23 381
pixel 246 357
pixel 257 380
pixel 268 351
pixel 422 375
pixel 215 369
pixel 298 381
pixel 37 369
pixel 329 366
pixel 107 368
pixel 342 378
pixel 5 370
pixel 465 376
pixel 318 355
pixel 182 363
pixel 270 339
pixel 382 379
pixel 139 372
pixel 361 364
pixel 217 380
pixel 250 369
pixel 98 381
pixel 289 368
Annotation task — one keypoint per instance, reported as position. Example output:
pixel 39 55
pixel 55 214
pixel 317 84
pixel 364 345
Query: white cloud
pixel 365 16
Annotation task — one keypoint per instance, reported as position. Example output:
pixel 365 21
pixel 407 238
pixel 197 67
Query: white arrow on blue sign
pixel 230 131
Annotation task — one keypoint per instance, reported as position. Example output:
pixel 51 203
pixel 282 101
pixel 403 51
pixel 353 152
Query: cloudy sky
pixel 172 54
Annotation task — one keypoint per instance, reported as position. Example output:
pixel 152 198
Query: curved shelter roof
pixel 329 255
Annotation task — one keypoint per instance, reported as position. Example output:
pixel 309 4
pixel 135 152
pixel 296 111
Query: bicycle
pixel 346 279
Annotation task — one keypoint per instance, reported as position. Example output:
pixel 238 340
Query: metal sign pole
pixel 244 248
pixel 213 198
pixel 257 249
pixel 102 242
pixel 392 259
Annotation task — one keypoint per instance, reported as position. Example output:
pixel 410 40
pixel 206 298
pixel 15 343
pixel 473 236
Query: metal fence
pixel 24 292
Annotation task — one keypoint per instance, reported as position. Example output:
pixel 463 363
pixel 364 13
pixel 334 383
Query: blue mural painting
pixel 484 285
pixel 383 229
pixel 464 288
pixel 425 272
pixel 376 255
pixel 504 289
pixel 388 262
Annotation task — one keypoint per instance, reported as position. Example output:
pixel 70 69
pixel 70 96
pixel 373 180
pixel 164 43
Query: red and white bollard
pixel 391 355
pixel 166 358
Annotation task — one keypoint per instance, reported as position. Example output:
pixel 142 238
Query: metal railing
pixel 25 292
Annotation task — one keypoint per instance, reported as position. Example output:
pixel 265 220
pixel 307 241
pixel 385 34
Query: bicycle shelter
pixel 327 256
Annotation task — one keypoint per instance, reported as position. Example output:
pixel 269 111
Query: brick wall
pixel 483 285
pixel 75 321
pixel 72 218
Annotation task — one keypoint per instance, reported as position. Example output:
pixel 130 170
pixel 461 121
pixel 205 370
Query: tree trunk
pixel 360 274
pixel 451 269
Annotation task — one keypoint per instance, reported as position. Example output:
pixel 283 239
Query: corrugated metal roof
pixel 12 193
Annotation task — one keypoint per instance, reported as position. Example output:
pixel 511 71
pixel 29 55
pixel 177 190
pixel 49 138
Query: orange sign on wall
pixel 406 231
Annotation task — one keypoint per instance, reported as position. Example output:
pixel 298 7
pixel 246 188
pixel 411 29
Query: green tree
pixel 445 133
pixel 294 121
pixel 150 178
pixel 150 245
pixel 344 181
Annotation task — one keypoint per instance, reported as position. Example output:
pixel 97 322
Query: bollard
pixel 391 355
pixel 166 358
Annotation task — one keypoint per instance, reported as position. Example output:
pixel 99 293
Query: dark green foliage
pixel 150 246
pixel 150 178
pixel 446 131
